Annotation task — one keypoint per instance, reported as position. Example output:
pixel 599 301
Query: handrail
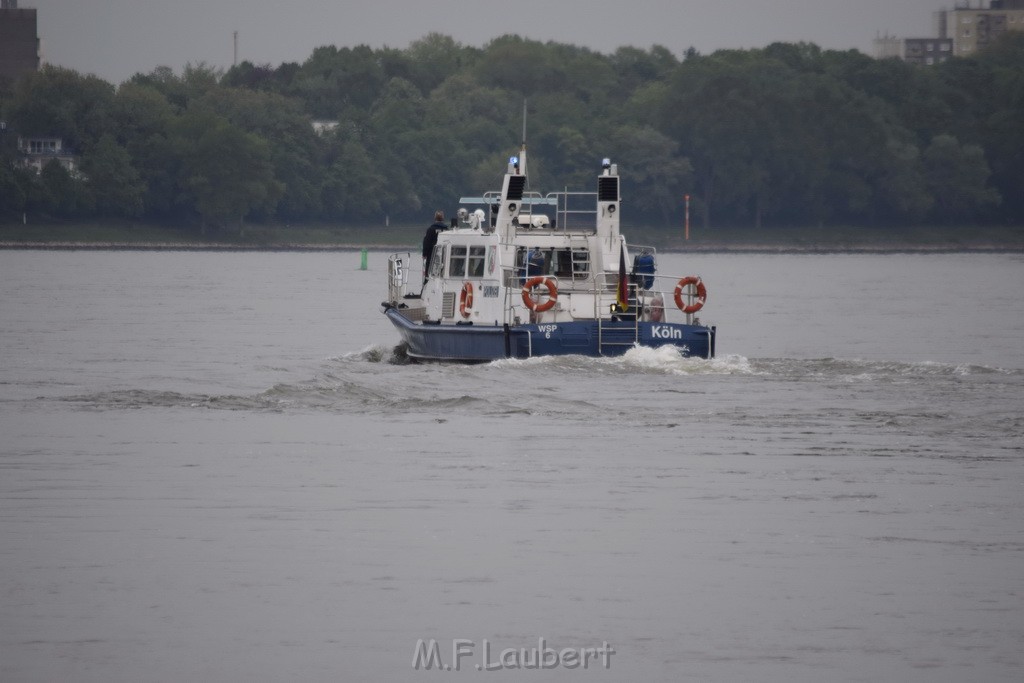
pixel 562 210
pixel 399 267
pixel 654 303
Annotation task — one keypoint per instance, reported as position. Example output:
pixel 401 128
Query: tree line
pixel 787 135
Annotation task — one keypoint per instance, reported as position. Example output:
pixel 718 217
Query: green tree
pixel 399 108
pixel 522 66
pixel 225 172
pixel 143 118
pixel 354 187
pixel 12 192
pixel 657 176
pixel 957 175
pixel 333 80
pixel 712 107
pixel 112 180
pixel 903 189
pixel 999 130
pixel 637 68
pixel 433 59
pixel 163 80
pixel 64 194
pixel 287 132
pixel 252 77
pixel 59 102
pixel 772 143
pixel 195 81
pixel 785 135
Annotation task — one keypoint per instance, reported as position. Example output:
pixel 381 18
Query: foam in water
pixel 665 360
pixel 668 360
pixel 376 353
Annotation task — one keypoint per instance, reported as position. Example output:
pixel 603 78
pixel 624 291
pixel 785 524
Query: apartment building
pixel 19 41
pixel 973 28
pixel 970 26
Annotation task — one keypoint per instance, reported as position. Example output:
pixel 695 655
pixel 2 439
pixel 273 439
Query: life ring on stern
pixel 702 294
pixel 534 304
pixel 466 300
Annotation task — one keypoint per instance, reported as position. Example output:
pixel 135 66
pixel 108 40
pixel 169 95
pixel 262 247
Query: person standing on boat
pixel 430 240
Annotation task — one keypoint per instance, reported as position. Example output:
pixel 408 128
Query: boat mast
pixel 608 204
pixel 522 153
pixel 512 190
pixel 524 122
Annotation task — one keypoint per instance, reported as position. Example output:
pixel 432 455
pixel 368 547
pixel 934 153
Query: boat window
pixel 467 261
pixel 476 261
pixel 457 263
pixel 562 263
pixel 537 262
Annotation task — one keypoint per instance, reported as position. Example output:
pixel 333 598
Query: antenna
pixel 235 63
pixel 522 151
pixel 524 122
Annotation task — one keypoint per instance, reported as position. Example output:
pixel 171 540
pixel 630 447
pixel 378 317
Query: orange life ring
pixel 702 294
pixel 535 305
pixel 466 300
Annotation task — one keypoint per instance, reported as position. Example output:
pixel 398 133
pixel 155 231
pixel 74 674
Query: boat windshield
pixel 437 261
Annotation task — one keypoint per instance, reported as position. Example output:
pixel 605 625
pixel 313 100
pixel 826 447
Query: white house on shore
pixel 39 151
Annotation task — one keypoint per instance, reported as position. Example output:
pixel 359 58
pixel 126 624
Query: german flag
pixel 622 295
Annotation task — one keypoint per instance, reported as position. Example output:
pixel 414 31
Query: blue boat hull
pixel 588 338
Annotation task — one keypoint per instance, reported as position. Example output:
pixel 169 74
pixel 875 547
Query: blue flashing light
pixel 514 161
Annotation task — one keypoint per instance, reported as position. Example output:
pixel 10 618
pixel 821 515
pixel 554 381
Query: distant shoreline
pixel 703 248
pixel 132 236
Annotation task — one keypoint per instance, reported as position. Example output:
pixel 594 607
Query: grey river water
pixel 216 467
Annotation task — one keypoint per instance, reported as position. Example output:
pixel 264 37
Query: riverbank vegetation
pixel 788 142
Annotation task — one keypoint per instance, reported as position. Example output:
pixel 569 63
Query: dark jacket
pixel 430 239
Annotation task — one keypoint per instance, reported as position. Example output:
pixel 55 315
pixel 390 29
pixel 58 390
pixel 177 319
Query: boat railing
pixel 492 198
pixel 657 295
pixel 574 210
pixel 650 298
pixel 643 303
pixel 642 249
pixel 404 276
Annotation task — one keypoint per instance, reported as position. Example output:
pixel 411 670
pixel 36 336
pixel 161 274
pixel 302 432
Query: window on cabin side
pixel 477 255
pixel 467 261
pixel 457 262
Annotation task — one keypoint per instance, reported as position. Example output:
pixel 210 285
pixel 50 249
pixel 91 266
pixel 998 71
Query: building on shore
pixel 37 152
pixel 975 28
pixel 927 50
pixel 970 26
pixel 19 41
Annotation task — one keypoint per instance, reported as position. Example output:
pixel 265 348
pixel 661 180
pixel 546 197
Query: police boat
pixel 525 274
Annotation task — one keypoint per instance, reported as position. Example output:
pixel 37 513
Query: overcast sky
pixel 117 38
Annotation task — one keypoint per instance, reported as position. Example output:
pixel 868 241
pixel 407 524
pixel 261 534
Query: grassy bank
pixel 128 234
pixel 138 233
pixel 838 238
